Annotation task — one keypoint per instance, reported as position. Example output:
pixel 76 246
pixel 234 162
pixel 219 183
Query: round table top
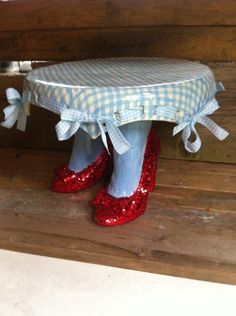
pixel 99 95
pixel 119 72
pixel 120 90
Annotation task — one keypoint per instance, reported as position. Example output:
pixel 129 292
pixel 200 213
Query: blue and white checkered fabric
pixel 116 91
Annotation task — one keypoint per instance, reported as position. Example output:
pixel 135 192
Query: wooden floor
pixel 188 230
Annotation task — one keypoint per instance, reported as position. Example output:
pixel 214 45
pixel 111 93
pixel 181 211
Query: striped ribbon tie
pixel 15 112
pixel 71 120
pixel 187 126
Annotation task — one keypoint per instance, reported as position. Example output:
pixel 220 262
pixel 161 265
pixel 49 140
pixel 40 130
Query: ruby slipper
pixel 68 181
pixel 62 170
pixel 112 211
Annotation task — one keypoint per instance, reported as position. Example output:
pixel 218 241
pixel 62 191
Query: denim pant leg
pixel 128 167
pixel 85 151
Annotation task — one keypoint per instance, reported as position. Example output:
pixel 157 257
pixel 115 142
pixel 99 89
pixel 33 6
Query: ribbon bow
pixel 15 111
pixel 188 126
pixel 71 120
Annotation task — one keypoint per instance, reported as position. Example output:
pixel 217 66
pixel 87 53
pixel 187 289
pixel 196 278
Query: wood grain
pixel 221 177
pixel 211 150
pixel 40 134
pixel 43 14
pixel 198 43
pixel 187 230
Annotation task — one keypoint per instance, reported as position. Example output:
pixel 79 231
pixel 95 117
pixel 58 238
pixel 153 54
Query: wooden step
pixel 188 230
pixel 58 14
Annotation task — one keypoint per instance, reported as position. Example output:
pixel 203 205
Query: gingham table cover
pixel 99 95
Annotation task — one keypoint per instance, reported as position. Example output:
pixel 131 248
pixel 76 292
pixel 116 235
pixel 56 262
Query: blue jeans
pixel 127 167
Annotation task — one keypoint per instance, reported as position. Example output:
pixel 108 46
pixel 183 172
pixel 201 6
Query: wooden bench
pixel 189 228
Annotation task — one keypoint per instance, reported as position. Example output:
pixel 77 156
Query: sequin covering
pixel 68 181
pixel 112 211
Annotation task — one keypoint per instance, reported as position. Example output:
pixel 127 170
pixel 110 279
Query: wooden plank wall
pixel 60 30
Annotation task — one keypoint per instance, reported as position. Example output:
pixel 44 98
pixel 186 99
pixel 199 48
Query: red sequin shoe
pixel 112 211
pixel 68 181
pixel 61 170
